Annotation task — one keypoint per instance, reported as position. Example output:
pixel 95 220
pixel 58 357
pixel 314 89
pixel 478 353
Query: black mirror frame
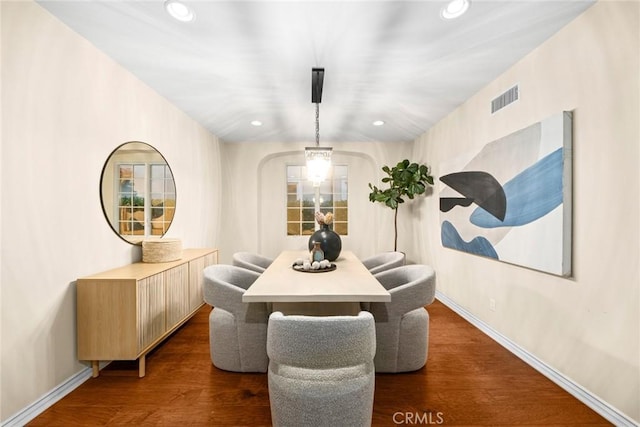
pixel 102 202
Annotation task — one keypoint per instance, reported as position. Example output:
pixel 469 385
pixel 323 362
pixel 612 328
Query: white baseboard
pixel 39 406
pixel 576 390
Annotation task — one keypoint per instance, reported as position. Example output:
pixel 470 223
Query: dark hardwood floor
pixel 469 380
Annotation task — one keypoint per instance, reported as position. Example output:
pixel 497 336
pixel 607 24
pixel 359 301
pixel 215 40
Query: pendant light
pixel 318 158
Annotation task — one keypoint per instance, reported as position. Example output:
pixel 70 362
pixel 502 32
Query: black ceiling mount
pixel 317 78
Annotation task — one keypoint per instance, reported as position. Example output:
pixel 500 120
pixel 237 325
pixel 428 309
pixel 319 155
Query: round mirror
pixel 138 192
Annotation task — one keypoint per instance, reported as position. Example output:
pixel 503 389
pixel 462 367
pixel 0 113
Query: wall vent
pixel 505 99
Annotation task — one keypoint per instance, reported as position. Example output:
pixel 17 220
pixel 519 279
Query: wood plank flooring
pixel 469 380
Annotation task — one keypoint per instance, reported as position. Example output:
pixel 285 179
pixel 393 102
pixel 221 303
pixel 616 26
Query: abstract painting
pixel 511 201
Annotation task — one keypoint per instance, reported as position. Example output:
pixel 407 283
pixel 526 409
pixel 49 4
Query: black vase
pixel 330 242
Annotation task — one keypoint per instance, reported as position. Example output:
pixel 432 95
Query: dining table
pixel 338 290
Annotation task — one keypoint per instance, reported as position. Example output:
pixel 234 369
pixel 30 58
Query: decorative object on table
pixel 330 241
pixel 514 194
pixel 161 250
pixel 316 254
pixel 404 179
pixel 308 266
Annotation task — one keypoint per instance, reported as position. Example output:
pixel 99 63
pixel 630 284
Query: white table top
pixel 349 282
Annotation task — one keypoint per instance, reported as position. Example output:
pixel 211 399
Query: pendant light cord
pixel 317 124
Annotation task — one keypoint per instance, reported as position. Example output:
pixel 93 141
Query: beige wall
pixel 255 201
pixel 586 327
pixel 65 107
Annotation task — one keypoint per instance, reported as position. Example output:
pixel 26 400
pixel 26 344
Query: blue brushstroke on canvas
pixel 478 245
pixel 532 194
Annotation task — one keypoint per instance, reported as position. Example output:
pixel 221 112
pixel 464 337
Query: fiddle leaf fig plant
pixel 404 179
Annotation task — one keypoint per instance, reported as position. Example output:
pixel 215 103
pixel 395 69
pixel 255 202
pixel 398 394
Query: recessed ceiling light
pixel 256 123
pixel 455 8
pixel 179 11
pixel 378 123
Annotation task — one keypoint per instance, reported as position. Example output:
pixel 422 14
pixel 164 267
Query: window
pixel 146 198
pixel 303 200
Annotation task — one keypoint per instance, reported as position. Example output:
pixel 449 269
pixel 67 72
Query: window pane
pixel 308 201
pixel 138 185
pixel 293 229
pixel 308 215
pixel 308 228
pixel 341 228
pixel 170 186
pixel 157 186
pixel 294 173
pixel 340 214
pixel 325 186
pixel 333 195
pixel 139 171
pixel 293 215
pixel 307 187
pixel 293 201
pixel 326 200
pixel 157 171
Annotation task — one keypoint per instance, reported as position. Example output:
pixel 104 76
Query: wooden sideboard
pixel 123 313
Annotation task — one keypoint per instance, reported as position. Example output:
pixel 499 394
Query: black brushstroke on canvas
pixel 478 187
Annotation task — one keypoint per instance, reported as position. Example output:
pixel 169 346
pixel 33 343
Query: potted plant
pixel 404 179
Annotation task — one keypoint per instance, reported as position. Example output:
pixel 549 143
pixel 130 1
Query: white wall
pixel 65 107
pixel 586 327
pixel 255 199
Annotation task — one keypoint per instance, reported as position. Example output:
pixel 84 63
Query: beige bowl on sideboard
pixel 161 250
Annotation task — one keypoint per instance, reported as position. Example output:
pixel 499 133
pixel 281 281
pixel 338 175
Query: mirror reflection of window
pixel 131 205
pixel 138 192
pixel 163 198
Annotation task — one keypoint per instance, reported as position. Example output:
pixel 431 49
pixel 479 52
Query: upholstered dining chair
pixel 402 325
pixel 237 330
pixel 321 370
pixel 384 261
pixel 251 261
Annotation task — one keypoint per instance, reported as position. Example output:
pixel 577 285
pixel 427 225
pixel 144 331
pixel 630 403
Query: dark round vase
pixel 330 242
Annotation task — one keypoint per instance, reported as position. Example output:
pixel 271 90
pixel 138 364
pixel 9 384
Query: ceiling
pixel 239 61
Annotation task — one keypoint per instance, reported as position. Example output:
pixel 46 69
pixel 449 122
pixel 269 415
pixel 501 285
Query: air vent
pixel 505 99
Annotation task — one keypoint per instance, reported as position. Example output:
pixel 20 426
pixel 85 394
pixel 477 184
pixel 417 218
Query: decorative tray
pixel 320 270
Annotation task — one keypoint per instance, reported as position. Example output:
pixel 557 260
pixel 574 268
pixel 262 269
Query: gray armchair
pixel 237 330
pixel 402 325
pixel 384 261
pixel 321 370
pixel 251 261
